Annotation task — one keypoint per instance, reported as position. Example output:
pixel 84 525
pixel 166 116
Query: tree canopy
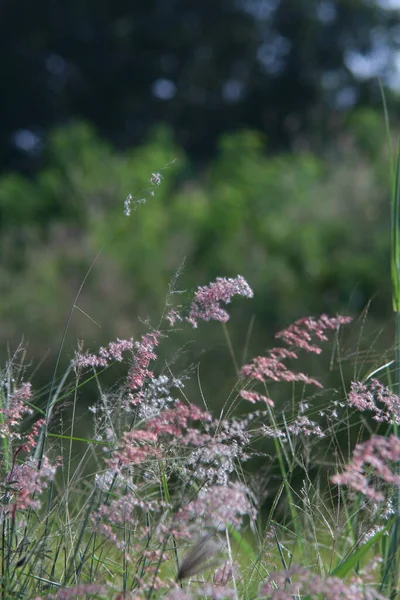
pixel 203 68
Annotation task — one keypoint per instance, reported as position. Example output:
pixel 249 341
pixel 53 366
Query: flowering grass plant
pixel 169 500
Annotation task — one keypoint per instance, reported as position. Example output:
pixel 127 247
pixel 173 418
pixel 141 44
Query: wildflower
pixel 374 456
pixel 27 481
pixel 206 590
pixel 219 506
pixel 274 433
pixel 264 368
pixel 365 397
pixel 30 438
pixel 112 352
pixel 136 447
pixel 254 397
pixel 173 316
pixel 300 334
pixel 139 445
pixel 80 590
pixel 157 395
pixel 130 202
pixel 299 581
pixel 143 356
pixel 207 299
pixel 14 411
pixel 303 425
pixel 214 461
pixel 179 594
pixel 174 421
pixel 216 592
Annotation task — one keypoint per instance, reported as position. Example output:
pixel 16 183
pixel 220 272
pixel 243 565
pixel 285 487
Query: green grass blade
pixel 344 567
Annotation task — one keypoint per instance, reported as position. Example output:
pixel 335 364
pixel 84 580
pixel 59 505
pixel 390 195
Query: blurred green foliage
pixel 309 233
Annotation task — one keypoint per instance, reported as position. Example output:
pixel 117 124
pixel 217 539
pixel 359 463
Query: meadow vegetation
pixel 289 487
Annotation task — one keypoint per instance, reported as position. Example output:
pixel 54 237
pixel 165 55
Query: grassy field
pixel 162 498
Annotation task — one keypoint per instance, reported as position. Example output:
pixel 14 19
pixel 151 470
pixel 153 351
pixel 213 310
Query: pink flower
pixel 366 397
pixel 139 445
pixel 173 316
pixel 264 368
pixel 254 397
pixel 14 412
pixel 219 506
pixel 113 352
pixel 300 581
pixel 300 334
pixel 272 367
pixel 80 590
pixel 143 356
pixel 373 457
pixel 206 302
pixel 27 481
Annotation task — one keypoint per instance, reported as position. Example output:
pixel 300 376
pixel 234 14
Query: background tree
pixel 282 66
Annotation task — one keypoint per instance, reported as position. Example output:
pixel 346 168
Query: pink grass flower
pixel 301 333
pixel 264 368
pixel 112 352
pixel 206 303
pixel 82 589
pixel 219 506
pixel 254 397
pixel 372 459
pixel 144 354
pixel 300 581
pixel 14 412
pixel 173 317
pixel 169 426
pixel 27 482
pixel 142 351
pixel 377 398
pixel 30 438
pixel 174 421
pixel 180 594
pixel 136 447
pixel 206 590
pixel 267 368
pixel 225 573
pixel 272 367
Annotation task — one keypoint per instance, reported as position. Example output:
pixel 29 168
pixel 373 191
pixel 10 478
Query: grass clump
pixel 165 499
